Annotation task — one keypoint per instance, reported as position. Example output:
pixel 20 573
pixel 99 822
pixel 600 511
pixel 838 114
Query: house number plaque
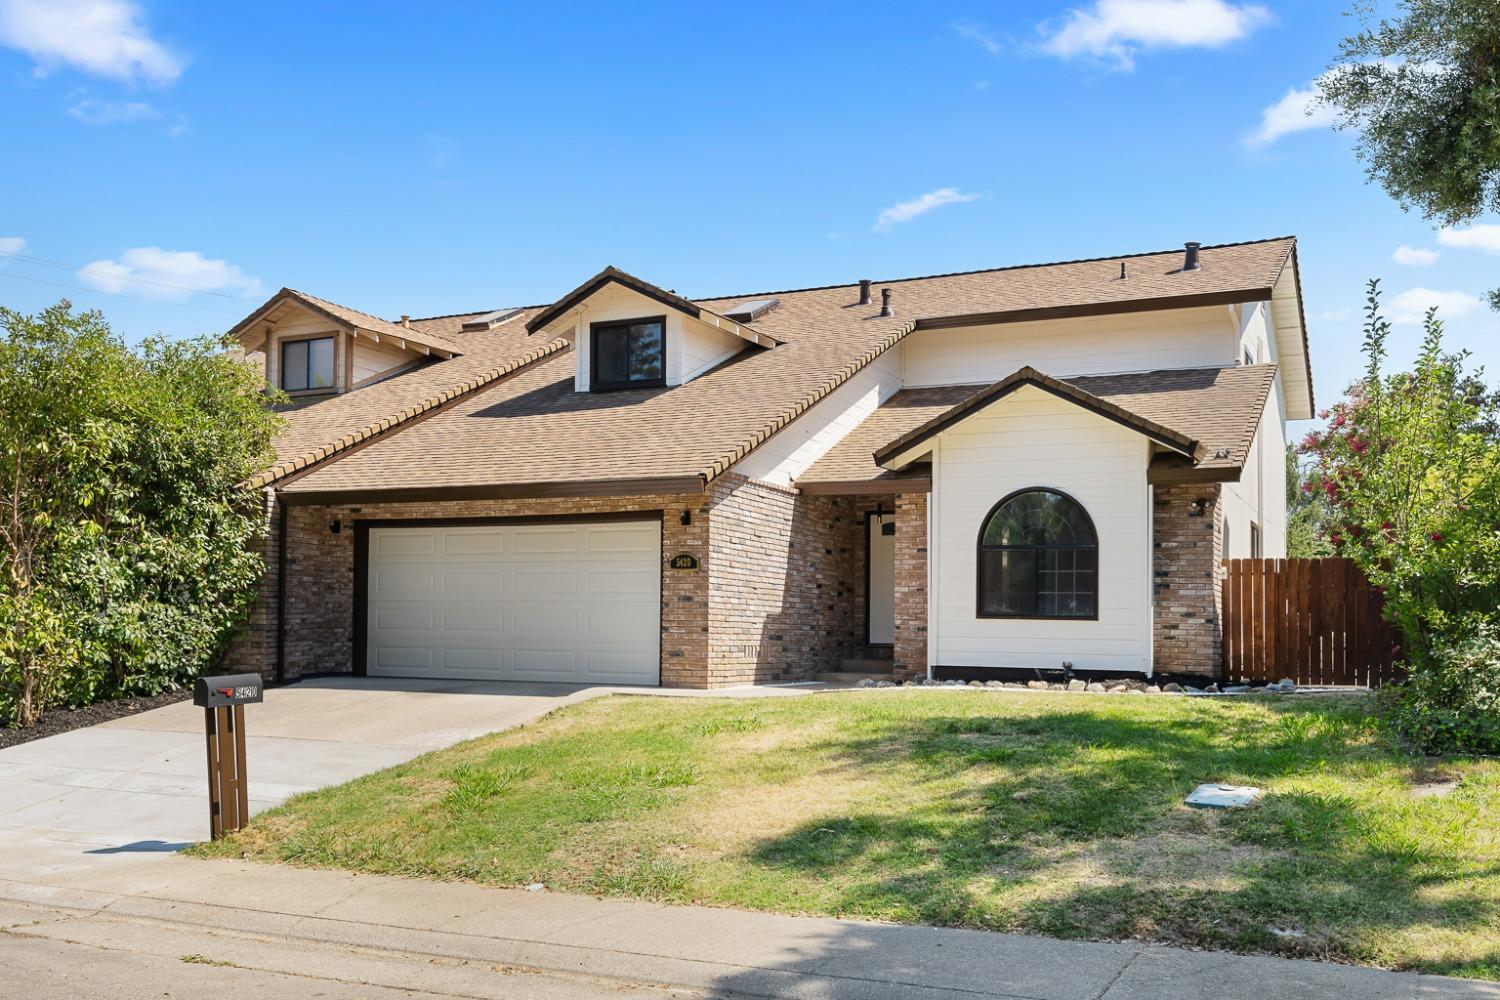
pixel 684 560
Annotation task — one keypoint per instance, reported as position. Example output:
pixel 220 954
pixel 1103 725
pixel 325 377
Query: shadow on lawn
pixel 1071 824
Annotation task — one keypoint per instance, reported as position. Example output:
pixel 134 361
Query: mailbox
pixel 228 691
pixel 223 700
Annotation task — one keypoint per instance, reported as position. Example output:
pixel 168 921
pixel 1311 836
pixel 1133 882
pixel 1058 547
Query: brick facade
pixel 779 592
pixel 1186 574
pixel 910 651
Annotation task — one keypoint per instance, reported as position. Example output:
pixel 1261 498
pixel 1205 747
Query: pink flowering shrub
pixel 1410 465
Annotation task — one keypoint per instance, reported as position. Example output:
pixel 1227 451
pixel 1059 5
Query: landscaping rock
pixel 994 684
pixel 865 683
pixel 976 684
pixel 1193 690
pixel 1118 689
pixel 1152 689
pixel 1287 684
pixel 1211 689
pixel 1037 685
pixel 1056 686
pixel 1078 685
pixel 885 684
pixel 1237 689
pixel 1172 688
pixel 1096 687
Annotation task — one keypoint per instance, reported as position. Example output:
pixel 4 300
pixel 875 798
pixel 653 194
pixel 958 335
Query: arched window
pixel 1038 558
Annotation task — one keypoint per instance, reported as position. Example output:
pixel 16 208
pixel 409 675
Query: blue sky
pixel 450 157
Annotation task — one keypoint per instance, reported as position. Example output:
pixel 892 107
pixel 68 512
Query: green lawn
pixel 1050 814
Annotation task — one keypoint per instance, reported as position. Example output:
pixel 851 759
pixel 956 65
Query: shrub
pixel 126 527
pixel 1451 702
pixel 1410 465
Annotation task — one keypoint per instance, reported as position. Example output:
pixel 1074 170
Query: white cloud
pixel 1298 110
pixel 1410 307
pixel 1414 256
pixel 1486 238
pixel 920 205
pixel 1115 30
pixel 979 37
pixel 93 111
pixel 12 244
pixel 102 37
pixel 167 274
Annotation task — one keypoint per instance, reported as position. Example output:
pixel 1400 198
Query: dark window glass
pixel 307 364
pixel 1038 558
pixel 628 355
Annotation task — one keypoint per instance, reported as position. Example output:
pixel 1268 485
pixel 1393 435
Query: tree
pixel 1307 511
pixel 126 529
pixel 1423 90
pixel 1410 465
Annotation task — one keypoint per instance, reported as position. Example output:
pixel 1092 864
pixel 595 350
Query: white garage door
pixel 574 601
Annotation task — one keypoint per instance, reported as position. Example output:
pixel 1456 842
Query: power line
pixel 83 269
pixel 121 295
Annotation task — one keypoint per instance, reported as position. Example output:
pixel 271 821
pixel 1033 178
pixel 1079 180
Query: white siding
pixel 796 447
pixel 371 359
pixel 1260 495
pixel 1178 338
pixel 1033 439
pixel 692 348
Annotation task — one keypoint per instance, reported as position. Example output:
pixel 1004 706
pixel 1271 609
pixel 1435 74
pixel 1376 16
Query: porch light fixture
pixel 336 527
pixel 1198 507
pixel 686 518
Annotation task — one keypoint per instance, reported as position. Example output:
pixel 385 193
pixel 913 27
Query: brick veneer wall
pixel 773 597
pixel 254 651
pixel 910 652
pixel 1186 576
pixel 783 568
pixel 319 626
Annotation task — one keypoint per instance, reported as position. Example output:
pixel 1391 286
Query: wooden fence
pixel 1316 621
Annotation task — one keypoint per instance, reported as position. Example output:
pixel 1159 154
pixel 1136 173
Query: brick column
pixel 1186 575
pixel 910 650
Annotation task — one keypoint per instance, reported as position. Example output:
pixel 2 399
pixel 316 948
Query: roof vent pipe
pixel 1190 258
pixel 864 291
pixel 406 321
pixel 885 303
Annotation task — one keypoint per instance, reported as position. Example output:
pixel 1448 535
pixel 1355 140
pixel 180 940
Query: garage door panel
pixel 614 538
pixel 404 657
pixel 534 540
pixel 618 581
pixel 415 542
pixel 477 542
pixel 402 584
pixel 485 661
pixel 565 601
pixel 552 662
pixel 536 583
pixel 403 619
pixel 474 619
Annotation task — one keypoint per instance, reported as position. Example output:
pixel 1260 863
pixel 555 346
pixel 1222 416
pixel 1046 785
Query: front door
pixel 881 579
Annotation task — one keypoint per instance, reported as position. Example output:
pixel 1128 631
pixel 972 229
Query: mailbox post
pixel 223 700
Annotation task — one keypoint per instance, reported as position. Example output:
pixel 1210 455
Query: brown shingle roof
pixel 532 431
pixel 349 318
pixel 1219 408
pixel 328 426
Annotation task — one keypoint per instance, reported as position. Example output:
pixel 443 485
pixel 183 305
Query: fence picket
pixel 1317 621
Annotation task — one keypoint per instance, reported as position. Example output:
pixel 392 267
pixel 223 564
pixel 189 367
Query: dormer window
pixel 307 364
pixel 630 354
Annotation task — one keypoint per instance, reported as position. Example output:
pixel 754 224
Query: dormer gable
pixel 631 334
pixel 312 347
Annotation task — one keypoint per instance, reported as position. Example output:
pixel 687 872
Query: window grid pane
pixel 294 366
pixel 1038 558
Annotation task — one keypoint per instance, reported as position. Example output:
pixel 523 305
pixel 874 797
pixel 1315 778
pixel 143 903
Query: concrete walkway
pixel 238 918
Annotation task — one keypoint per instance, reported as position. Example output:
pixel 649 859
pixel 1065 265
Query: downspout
pixel 280 591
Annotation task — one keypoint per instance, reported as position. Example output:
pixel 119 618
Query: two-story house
pixel 1026 467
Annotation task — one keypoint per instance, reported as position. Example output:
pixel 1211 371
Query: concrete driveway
pixel 139 784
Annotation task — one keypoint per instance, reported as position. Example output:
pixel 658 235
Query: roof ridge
pixel 1007 267
pixel 376 428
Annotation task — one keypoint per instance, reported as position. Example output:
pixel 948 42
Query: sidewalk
pixel 446 939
